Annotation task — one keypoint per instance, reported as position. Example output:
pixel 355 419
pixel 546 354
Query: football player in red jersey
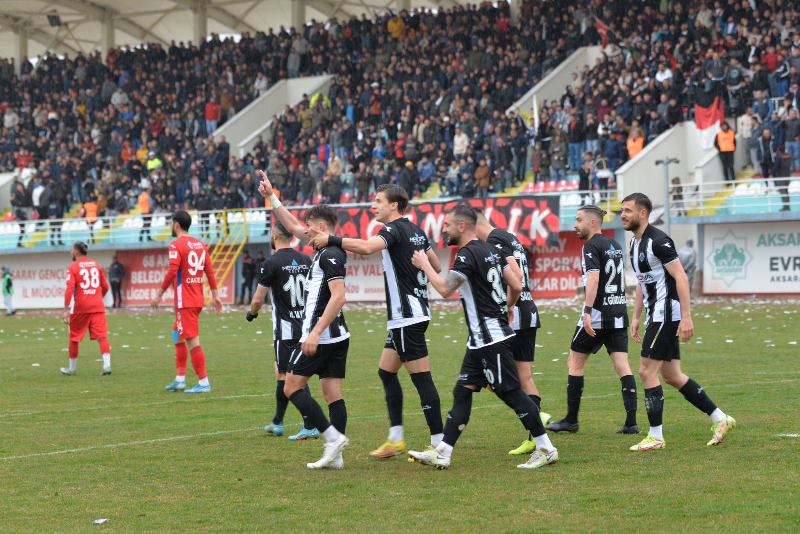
pixel 84 308
pixel 188 260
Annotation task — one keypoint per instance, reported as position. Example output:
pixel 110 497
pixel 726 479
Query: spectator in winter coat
pixel 558 157
pixel 483 179
pixel 612 150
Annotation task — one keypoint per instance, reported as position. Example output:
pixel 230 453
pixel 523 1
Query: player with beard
pixel 284 273
pixel 478 274
pixel 526 315
pixel 324 338
pixel 408 312
pixel 188 262
pixel 664 290
pixel 84 308
pixel 604 321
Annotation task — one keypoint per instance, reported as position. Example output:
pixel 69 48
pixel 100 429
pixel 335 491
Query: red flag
pixel 602 29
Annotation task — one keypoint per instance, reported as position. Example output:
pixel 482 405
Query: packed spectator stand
pixel 418 99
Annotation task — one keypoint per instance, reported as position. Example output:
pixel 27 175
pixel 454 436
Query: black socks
pixel 574 392
pixel 458 417
pixel 629 399
pixel 394 396
pixel 525 409
pixel 282 401
pixel 429 399
pixel 654 403
pixel 338 413
pixel 695 394
pixel 309 408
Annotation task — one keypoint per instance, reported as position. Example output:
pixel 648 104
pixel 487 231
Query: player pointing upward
pixel 84 308
pixel 408 312
pixel 325 338
pixel 188 261
pixel 664 289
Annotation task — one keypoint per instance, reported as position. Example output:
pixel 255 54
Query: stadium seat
pixel 561 185
pixel 539 187
pixel 757 189
pixel 346 198
pixel 317 200
pixel 794 187
pixel 550 187
pixel 10 217
pixel 573 185
pixel 741 190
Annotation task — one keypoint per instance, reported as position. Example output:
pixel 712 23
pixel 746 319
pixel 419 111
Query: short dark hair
pixel 641 200
pixel 324 212
pixel 596 212
pixel 464 212
pixel 280 230
pixel 478 213
pixel 81 247
pixel 183 219
pixel 394 193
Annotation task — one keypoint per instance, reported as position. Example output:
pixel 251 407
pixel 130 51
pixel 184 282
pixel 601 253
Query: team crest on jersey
pixel 173 254
pixel 641 256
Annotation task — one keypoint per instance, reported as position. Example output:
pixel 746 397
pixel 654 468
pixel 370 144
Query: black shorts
pixel 285 350
pixel 492 365
pixel 330 361
pixel 661 341
pixel 409 341
pixel 614 339
pixel 523 345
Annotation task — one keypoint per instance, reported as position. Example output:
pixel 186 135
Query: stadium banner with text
pixel 40 280
pixel 751 258
pixel 532 219
pixel 556 269
pixel 145 270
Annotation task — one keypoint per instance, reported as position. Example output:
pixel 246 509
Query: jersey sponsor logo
pixel 417 240
pixel 173 254
pixel 294 268
pixel 646 278
pixel 492 258
pixel 194 244
pixel 86 264
pixel 612 253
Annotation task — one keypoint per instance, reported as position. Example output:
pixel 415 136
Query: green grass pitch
pixel 76 449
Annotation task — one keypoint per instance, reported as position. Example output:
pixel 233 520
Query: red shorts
pixel 186 324
pixel 95 322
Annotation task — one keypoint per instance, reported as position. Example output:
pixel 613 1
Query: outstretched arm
pixel 284 216
pixel 320 239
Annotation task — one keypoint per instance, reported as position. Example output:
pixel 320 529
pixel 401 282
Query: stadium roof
pixel 87 25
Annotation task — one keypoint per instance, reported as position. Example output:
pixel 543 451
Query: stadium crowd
pixel 418 99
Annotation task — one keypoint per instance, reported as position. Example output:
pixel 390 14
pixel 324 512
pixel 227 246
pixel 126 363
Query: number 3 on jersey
pixel 495 277
pixel 91 278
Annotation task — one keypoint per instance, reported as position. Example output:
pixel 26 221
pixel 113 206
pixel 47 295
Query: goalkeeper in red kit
pixel 84 308
pixel 188 261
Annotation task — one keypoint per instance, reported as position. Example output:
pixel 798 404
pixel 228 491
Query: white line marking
pixel 192 436
pixel 788 435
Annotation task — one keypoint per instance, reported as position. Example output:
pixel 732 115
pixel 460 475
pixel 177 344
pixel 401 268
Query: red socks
pixel 181 356
pixel 199 362
pixel 73 350
pixel 104 346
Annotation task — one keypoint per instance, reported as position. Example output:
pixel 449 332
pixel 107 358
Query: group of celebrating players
pixel 490 272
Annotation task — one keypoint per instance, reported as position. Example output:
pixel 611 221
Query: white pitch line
pixel 192 436
pixel 788 435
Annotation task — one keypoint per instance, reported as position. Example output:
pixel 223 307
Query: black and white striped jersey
pixel 482 293
pixel 649 258
pixel 330 263
pixel 406 286
pixel 526 315
pixel 603 255
pixel 284 273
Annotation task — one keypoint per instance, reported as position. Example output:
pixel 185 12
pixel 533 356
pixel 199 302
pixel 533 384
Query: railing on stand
pixel 769 195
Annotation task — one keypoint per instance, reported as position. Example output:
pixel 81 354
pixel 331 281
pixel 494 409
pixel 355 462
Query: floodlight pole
pixel 665 162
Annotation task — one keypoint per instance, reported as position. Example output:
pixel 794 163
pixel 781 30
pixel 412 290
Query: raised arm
pixel 445 286
pixel 284 216
pixel 319 239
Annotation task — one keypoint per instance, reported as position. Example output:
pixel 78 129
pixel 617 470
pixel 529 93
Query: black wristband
pixel 250 317
pixel 587 309
pixel 334 241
